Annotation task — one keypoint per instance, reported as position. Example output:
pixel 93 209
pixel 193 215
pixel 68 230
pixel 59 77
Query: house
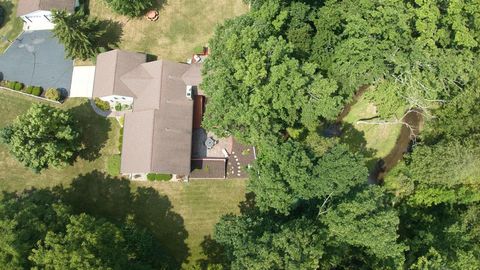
pixel 157 134
pixel 37 14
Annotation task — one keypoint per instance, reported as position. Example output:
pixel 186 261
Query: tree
pixel 40 231
pixel 287 175
pixel 130 8
pixel 260 73
pixel 24 220
pixel 43 137
pixel 266 243
pixel 79 34
pixel 87 243
pixel 365 219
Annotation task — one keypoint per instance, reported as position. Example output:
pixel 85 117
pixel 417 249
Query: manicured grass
pixel 113 165
pixel 196 205
pixel 201 203
pixel 100 136
pixel 12 26
pixel 182 26
pixel 377 140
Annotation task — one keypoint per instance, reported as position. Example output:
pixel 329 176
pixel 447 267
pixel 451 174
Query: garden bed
pixel 30 95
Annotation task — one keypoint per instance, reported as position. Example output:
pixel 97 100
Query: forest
pixel 281 77
pixel 286 70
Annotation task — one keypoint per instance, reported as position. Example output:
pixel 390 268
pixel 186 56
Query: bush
pixel 158 177
pixel 118 107
pixel 113 165
pixel 28 89
pixel 37 91
pixel 11 84
pixel 53 94
pixel 130 8
pixel 120 140
pixel 18 86
pixel 102 105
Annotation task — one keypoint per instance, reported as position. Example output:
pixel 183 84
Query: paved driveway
pixel 36 58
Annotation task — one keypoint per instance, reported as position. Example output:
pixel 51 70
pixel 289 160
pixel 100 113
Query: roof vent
pixel 188 92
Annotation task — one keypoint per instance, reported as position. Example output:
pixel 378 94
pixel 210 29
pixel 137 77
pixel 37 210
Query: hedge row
pixel 51 93
pixel 158 177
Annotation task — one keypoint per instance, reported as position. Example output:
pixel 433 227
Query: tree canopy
pixel 79 33
pixel 43 137
pixel 130 8
pixel 279 76
pixel 40 230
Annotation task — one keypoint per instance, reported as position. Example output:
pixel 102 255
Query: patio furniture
pixel 210 143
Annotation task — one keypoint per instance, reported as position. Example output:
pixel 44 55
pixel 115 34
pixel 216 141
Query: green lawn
pixel 192 207
pixel 201 203
pixel 12 26
pixel 182 26
pixel 376 140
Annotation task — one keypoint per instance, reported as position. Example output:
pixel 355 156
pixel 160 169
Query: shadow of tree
pixel 215 255
pixel 8 15
pixel 101 195
pixel 355 139
pixel 113 34
pixel 154 212
pixel 93 130
pixel 159 4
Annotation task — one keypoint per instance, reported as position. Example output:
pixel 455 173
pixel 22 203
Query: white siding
pixel 38 20
pixel 118 99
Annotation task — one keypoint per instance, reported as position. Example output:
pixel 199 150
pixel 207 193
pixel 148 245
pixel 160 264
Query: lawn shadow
pixel 214 252
pixel 102 195
pixel 355 139
pixel 112 36
pixel 8 12
pixel 93 130
pixel 159 4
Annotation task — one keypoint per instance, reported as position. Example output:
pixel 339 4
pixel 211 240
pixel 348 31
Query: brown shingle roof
pixel 159 92
pixel 158 133
pixel 193 76
pixel 111 66
pixel 27 6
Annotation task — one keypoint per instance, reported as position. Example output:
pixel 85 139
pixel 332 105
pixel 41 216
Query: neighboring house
pixel 37 14
pixel 157 134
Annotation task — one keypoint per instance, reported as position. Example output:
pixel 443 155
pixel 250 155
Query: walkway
pixel 37 58
pixel 82 81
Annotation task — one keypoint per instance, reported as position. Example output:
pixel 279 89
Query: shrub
pixel 102 105
pixel 130 8
pixel 198 50
pixel 118 107
pixel 53 94
pixel 120 140
pixel 18 86
pixel 113 165
pixel 11 84
pixel 158 177
pixel 37 91
pixel 28 89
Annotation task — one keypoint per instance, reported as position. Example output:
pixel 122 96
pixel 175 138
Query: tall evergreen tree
pixel 79 33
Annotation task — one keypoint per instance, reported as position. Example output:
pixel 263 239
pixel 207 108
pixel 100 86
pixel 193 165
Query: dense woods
pixel 286 69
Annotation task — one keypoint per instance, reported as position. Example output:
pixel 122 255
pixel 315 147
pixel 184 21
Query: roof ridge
pixel 153 136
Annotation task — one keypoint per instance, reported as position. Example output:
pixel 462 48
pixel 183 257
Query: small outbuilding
pixel 37 14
